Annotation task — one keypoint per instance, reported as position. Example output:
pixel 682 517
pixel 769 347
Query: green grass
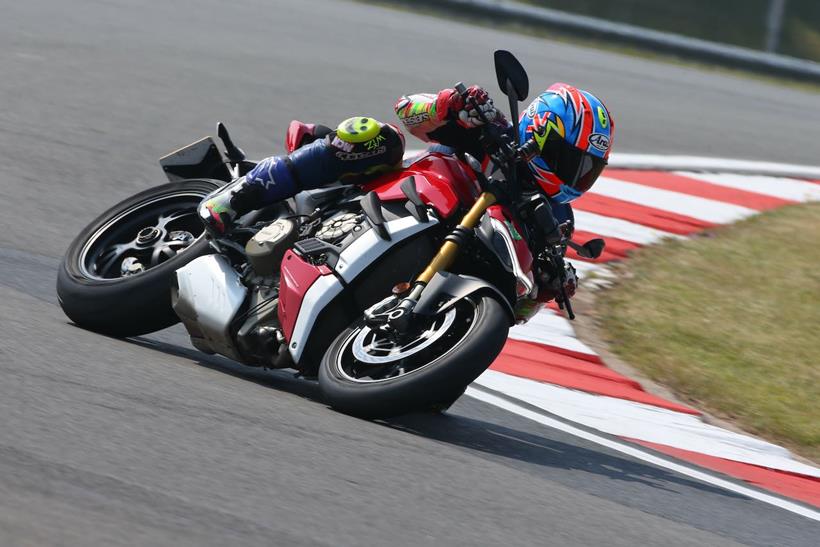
pixel 731 322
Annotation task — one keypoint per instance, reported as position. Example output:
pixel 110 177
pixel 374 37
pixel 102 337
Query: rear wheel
pixel 115 276
pixel 369 373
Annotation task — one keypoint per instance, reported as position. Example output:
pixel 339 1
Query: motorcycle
pixel 337 283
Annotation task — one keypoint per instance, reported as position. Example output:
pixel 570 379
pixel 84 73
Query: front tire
pixel 420 375
pixel 115 276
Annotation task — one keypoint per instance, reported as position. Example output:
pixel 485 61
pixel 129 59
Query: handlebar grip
pixel 528 150
pixel 461 89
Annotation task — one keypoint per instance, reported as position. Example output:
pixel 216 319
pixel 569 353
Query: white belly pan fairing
pixel 209 295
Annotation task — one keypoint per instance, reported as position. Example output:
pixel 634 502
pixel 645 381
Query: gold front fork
pixel 449 251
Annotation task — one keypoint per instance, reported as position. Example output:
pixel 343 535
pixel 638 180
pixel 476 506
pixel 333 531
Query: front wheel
pixel 369 373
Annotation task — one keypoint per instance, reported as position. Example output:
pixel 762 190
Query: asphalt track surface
pixel 147 442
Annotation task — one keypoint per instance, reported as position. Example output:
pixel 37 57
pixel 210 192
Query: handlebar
pixel 527 151
pixel 506 150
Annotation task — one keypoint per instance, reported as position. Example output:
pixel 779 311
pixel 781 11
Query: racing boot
pixel 220 209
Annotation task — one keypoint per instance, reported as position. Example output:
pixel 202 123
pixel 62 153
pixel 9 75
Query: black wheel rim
pixel 143 236
pixel 406 356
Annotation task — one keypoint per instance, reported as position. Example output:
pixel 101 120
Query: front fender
pixel 445 289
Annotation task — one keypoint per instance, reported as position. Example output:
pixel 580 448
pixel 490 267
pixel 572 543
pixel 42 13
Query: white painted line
pixel 755 176
pixel 623 160
pixel 637 453
pixel 779 187
pixel 700 208
pixel 551 329
pixel 665 162
pixel 622 229
pixel 645 422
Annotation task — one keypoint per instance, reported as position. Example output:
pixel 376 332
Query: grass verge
pixel 729 320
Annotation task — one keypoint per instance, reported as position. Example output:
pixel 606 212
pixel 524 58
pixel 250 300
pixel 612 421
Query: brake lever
pixel 461 89
pixel 564 303
pixel 556 253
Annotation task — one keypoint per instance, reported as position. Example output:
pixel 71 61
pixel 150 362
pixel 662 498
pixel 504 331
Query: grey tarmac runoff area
pixel 147 442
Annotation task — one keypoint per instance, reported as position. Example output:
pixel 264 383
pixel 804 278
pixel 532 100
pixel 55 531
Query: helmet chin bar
pixel 566 194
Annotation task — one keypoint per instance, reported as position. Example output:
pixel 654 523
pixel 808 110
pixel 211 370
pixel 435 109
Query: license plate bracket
pixel 200 159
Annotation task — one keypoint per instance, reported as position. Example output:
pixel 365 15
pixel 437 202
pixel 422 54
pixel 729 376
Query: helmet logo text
pixel 599 141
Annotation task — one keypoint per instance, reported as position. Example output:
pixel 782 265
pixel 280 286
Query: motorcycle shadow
pixel 535 448
pixel 282 379
pixel 474 426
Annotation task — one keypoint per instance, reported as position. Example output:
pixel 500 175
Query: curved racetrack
pixel 108 442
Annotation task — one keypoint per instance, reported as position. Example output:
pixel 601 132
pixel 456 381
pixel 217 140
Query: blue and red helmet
pixel 573 130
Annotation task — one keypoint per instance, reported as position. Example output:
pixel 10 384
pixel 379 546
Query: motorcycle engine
pixel 257 330
pixel 258 334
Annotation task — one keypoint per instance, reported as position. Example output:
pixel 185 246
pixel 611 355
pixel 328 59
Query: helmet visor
pixel 574 167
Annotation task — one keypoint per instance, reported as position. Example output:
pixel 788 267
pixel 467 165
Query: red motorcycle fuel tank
pixel 442 182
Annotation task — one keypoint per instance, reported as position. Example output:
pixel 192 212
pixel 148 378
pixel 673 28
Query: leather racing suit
pixel 357 148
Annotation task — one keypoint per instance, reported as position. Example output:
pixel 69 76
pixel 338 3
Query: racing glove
pixel 451 105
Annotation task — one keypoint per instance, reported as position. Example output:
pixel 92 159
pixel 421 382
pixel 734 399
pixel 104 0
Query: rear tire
pixel 116 305
pixel 433 385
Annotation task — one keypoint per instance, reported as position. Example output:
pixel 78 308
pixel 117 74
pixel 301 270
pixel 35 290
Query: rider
pixel 358 147
pixel 572 128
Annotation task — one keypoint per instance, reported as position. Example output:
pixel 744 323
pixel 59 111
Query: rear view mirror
pixel 592 248
pixel 512 78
